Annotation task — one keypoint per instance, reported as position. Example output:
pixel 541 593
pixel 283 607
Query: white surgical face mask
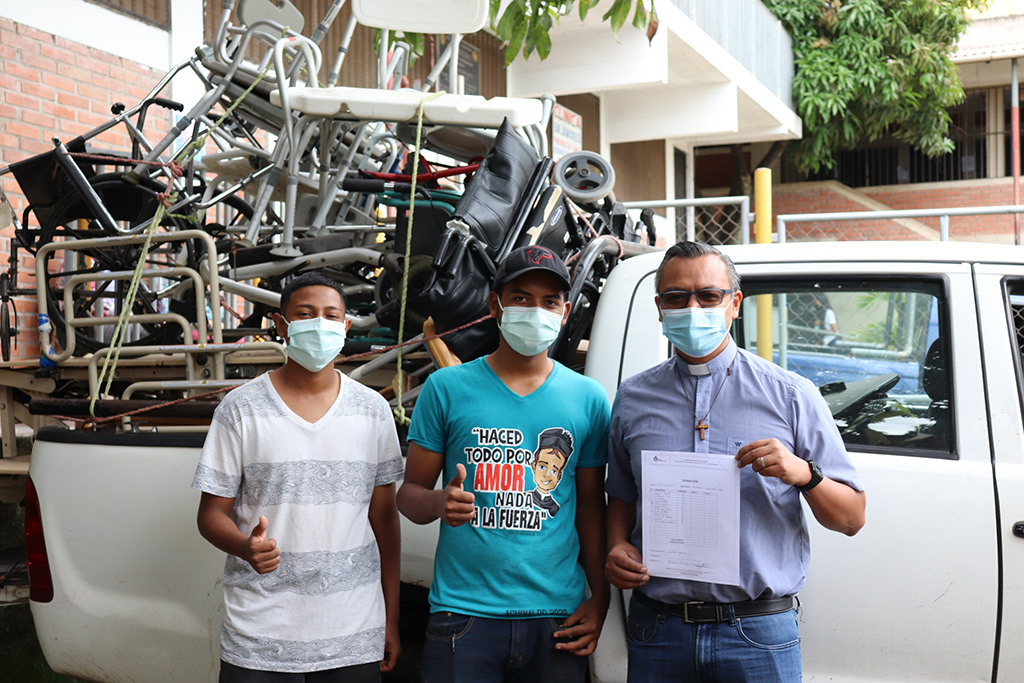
pixel 694 331
pixel 315 342
pixel 529 331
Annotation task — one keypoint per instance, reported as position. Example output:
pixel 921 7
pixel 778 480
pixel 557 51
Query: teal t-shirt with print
pixel 519 558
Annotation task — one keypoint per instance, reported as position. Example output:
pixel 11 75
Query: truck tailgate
pixel 141 601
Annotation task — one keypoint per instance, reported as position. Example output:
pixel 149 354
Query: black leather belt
pixel 715 612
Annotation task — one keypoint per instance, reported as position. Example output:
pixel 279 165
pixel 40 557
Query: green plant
pixel 868 68
pixel 905 325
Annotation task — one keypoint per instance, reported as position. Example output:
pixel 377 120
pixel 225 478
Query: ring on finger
pixel 760 462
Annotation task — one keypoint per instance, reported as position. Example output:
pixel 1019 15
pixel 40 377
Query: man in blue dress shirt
pixel 782 435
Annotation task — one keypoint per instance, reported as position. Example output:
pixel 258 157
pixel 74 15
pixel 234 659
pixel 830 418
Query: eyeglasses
pixel 680 298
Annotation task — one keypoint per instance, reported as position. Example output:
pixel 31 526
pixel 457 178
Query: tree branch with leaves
pixel 525 25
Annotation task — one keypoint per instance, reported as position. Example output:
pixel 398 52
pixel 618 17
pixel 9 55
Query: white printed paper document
pixel 691 516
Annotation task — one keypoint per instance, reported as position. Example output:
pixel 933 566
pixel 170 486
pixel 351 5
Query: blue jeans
pixel 664 648
pixel 464 649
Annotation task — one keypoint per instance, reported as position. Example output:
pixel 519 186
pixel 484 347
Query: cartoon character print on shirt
pixel 554 447
pixel 498 465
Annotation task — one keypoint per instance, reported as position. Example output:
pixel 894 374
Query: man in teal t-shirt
pixel 522 442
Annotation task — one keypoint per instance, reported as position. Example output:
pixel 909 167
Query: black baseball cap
pixel 556 438
pixel 527 259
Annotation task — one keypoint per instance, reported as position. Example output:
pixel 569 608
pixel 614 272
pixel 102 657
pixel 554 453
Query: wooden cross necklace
pixel 702 424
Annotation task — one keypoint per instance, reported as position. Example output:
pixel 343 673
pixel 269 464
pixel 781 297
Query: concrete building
pixel 713 73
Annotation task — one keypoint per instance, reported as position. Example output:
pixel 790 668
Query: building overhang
pixel 985 51
pixel 681 85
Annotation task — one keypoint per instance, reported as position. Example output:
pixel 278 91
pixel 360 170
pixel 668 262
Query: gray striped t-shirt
pixel 323 607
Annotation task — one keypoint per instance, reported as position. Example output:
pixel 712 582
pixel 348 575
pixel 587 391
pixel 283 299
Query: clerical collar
pixel 717 364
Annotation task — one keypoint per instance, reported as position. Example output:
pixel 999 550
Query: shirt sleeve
pixel 427 428
pixel 620 483
pixel 817 438
pixel 389 450
pixel 219 471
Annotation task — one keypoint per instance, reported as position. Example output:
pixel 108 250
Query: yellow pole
pixel 763 235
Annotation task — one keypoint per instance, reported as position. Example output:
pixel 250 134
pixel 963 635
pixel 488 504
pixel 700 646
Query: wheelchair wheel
pixel 130 205
pixel 585 177
pixel 5 332
pixel 577 327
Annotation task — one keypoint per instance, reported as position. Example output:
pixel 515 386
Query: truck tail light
pixel 40 581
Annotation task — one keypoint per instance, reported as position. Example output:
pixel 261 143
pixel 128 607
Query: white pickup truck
pixel 924 378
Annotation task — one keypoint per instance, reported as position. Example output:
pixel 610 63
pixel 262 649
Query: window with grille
pixel 1015 298
pixel 156 12
pixel 890 161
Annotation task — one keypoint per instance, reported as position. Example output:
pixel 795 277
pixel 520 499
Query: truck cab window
pixel 876 350
pixel 1015 311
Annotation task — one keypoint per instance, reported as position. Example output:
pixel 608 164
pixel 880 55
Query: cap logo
pixel 538 254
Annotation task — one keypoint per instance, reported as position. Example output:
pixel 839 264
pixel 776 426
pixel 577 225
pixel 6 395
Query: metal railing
pixel 944 214
pixel 715 220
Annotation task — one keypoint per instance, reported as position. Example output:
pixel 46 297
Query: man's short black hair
pixel 313 279
pixel 689 250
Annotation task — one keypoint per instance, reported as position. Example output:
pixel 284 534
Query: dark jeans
pixel 463 649
pixel 663 648
pixel 360 673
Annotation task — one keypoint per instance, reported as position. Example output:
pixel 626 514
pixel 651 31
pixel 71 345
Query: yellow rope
pixel 400 416
pixel 119 330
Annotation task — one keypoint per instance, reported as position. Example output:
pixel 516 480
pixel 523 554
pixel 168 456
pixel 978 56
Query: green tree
pixel 868 68
pixel 526 24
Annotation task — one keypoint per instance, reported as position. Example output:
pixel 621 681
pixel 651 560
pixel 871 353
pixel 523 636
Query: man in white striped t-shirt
pixel 297 476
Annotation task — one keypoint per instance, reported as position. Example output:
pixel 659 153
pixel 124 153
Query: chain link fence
pixel 976 223
pixel 715 220
pixel 721 220
pixel 858 230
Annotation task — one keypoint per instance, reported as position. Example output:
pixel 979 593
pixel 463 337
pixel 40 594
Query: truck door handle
pixel 1018 529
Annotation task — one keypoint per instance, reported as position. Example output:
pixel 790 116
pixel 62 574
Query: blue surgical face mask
pixel 694 331
pixel 315 342
pixel 529 331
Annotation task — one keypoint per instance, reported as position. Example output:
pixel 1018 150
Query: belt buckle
pixel 686 612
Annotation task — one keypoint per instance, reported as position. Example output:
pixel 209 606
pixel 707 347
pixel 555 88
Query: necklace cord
pixel 693 403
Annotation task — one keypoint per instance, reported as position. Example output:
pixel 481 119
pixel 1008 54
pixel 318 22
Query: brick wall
pixel 52 87
pixel 828 197
pixel 995 192
pixel 823 197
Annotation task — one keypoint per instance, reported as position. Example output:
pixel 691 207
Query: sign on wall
pixel 566 132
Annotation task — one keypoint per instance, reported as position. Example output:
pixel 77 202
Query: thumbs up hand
pixel 456 503
pixel 262 552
